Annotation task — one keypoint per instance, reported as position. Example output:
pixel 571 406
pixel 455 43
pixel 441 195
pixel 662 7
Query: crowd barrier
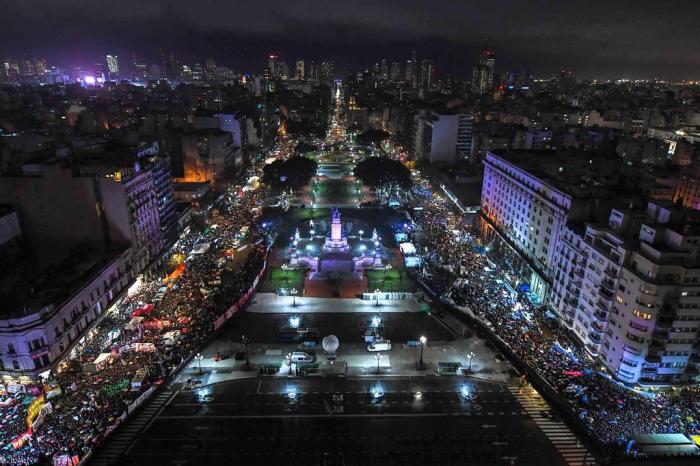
pixel 540 384
pixel 387 295
pixel 148 393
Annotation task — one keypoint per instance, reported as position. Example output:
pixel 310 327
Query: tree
pixel 294 173
pixel 372 136
pixel 384 174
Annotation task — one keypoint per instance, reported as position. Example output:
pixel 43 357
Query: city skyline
pixel 594 43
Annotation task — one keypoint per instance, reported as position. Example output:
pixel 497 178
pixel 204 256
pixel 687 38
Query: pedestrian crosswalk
pixel 120 441
pixel 454 325
pixel 566 443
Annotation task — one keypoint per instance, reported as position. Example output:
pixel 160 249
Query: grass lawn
pixel 276 278
pixel 337 191
pixel 393 280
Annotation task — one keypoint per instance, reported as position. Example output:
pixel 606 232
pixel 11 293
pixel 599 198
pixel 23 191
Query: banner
pixel 19 441
pixel 34 409
pixel 231 311
pixel 219 322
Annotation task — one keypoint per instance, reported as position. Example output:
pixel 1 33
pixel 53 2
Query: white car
pixel 384 345
pixel 300 356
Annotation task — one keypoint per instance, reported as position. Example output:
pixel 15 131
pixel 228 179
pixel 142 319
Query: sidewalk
pixel 400 361
pixel 271 303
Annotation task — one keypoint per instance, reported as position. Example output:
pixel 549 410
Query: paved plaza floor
pixel 271 303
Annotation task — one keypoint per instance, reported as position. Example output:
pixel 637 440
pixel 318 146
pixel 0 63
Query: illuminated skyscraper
pixel 427 74
pixel 273 65
pixel 299 74
pixel 482 74
pixel 112 65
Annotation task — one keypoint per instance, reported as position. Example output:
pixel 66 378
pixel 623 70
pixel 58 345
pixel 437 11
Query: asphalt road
pixel 305 421
pixel 349 328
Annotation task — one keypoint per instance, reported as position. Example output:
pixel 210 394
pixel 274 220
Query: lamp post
pixel 470 356
pixel 294 297
pixel 376 294
pixel 378 356
pixel 423 341
pixel 245 341
pixel 199 358
pixel 289 362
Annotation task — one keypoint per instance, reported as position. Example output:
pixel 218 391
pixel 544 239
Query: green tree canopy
pixel 383 172
pixel 372 136
pixel 294 173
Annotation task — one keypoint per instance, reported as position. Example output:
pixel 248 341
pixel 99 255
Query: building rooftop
pixel 26 288
pixel 578 173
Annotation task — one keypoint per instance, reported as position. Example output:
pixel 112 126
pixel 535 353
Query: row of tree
pixel 293 173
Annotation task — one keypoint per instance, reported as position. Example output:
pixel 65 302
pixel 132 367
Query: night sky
pixel 596 39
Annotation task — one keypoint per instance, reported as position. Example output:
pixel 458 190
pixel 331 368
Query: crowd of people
pixel 455 265
pixel 145 337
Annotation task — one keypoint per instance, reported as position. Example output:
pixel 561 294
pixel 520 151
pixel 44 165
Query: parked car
pixel 300 356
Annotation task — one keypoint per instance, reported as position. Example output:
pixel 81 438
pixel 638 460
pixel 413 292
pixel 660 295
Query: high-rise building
pixel 688 191
pixel 169 64
pixel 100 224
pixel 327 72
pixel 395 72
pixel 112 64
pixel 313 75
pixel 482 74
pixel 408 76
pixel 384 70
pixel 40 67
pixel 427 74
pixel 274 66
pixel 630 291
pixel 530 199
pixel 27 68
pixel 443 137
pixel 299 73
pixel 11 70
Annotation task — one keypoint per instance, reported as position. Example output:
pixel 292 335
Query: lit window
pixel 641 315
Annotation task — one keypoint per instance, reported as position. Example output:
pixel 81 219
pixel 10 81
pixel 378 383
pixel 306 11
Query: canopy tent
pixel 407 249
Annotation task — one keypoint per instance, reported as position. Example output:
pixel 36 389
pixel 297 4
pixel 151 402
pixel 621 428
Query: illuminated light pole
pixel 199 358
pixel 378 356
pixel 470 356
pixel 294 297
pixel 423 341
pixel 245 341
pixel 289 362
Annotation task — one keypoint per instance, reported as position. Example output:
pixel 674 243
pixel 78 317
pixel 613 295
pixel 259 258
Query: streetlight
pixel 289 362
pixel 470 356
pixel 199 358
pixel 423 341
pixel 294 296
pixel 378 356
pixel 285 267
pixel 376 293
pixel 245 341
pixel 386 269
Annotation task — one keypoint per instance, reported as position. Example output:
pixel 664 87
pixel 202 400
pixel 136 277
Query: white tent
pixel 407 249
